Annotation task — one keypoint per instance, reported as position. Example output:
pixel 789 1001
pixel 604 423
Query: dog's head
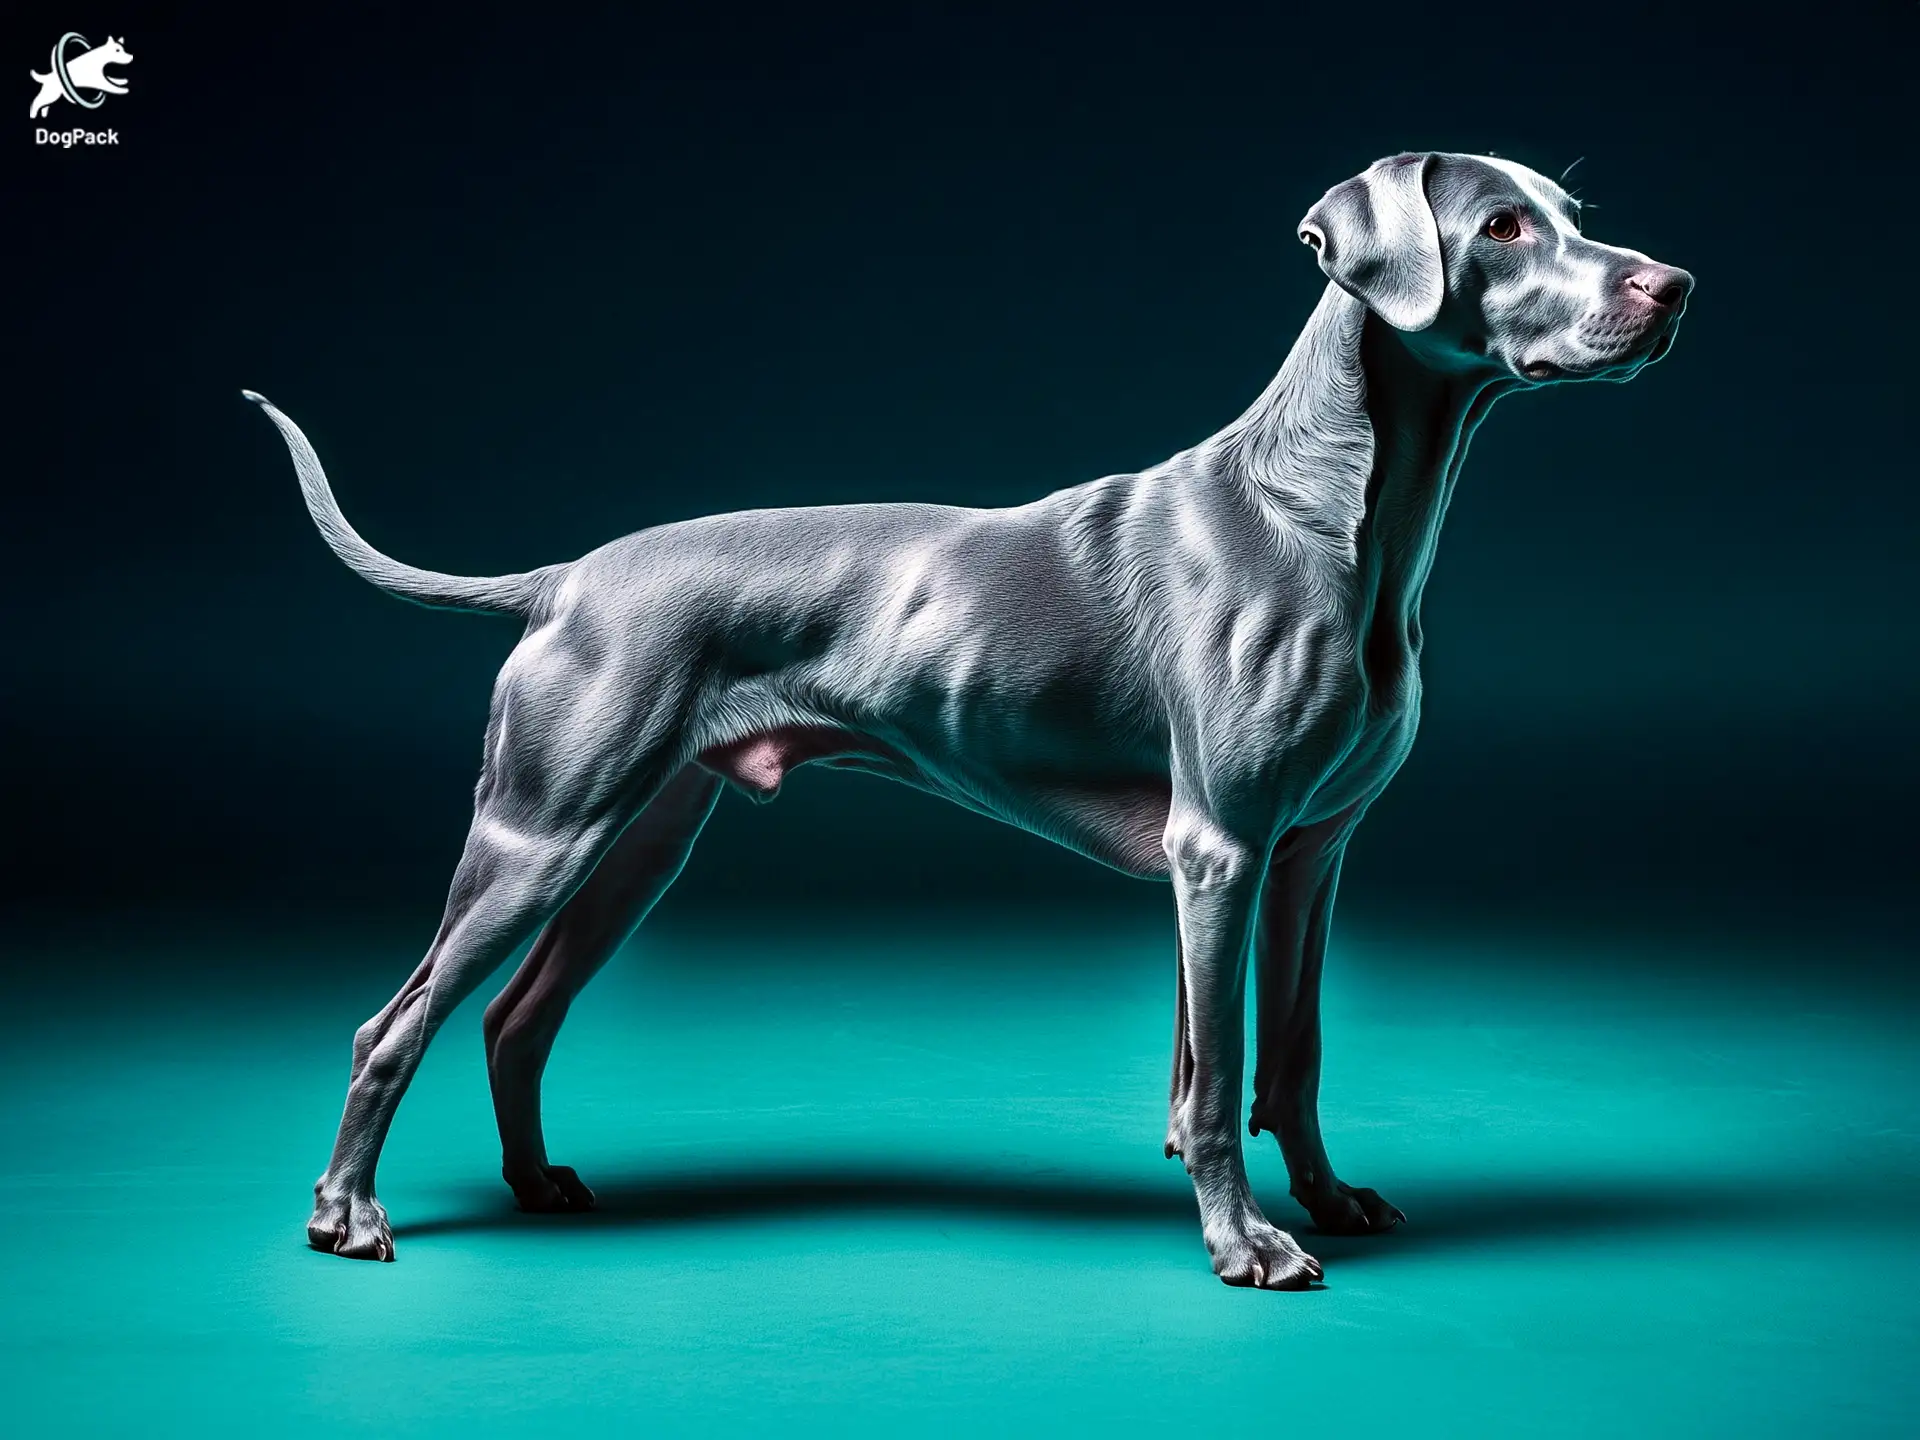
pixel 1481 263
pixel 113 53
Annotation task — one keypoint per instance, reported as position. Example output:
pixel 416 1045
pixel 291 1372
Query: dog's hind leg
pixel 525 1017
pixel 557 788
pixel 1290 947
pixel 508 881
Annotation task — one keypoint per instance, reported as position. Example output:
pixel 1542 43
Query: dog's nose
pixel 1666 286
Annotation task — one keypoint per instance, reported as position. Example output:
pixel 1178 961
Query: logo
pixel 69 76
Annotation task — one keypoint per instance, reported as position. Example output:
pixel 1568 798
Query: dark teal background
pixel 1622 1008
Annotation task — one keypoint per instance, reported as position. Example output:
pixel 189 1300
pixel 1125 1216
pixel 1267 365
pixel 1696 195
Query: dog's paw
pixel 556 1189
pixel 1262 1255
pixel 351 1225
pixel 1351 1210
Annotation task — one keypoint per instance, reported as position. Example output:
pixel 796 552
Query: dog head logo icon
pixel 69 74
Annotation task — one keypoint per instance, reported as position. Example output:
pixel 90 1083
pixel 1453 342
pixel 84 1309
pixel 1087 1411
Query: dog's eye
pixel 1503 227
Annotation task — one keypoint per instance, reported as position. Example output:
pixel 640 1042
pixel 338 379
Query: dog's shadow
pixel 1458 1212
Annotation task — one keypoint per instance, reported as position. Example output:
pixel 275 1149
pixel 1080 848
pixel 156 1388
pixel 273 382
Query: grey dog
pixel 1203 673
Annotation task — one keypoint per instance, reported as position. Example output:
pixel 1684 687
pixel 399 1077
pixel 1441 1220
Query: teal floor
pixel 908 1180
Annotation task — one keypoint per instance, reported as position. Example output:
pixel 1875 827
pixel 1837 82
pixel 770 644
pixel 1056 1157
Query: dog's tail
pixel 495 594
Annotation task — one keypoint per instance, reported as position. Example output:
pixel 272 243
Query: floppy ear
pixel 1378 241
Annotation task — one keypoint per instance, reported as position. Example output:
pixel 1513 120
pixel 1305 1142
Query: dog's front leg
pixel 1216 881
pixel 1290 947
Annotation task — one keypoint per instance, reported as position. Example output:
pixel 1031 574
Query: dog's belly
pixel 1118 822
pixel 1122 823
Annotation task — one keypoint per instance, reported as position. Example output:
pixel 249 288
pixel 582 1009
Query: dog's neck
pixel 1358 442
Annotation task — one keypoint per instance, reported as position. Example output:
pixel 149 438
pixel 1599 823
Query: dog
pixel 86 71
pixel 1203 673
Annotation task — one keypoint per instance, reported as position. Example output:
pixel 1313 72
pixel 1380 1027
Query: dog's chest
pixel 1384 739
